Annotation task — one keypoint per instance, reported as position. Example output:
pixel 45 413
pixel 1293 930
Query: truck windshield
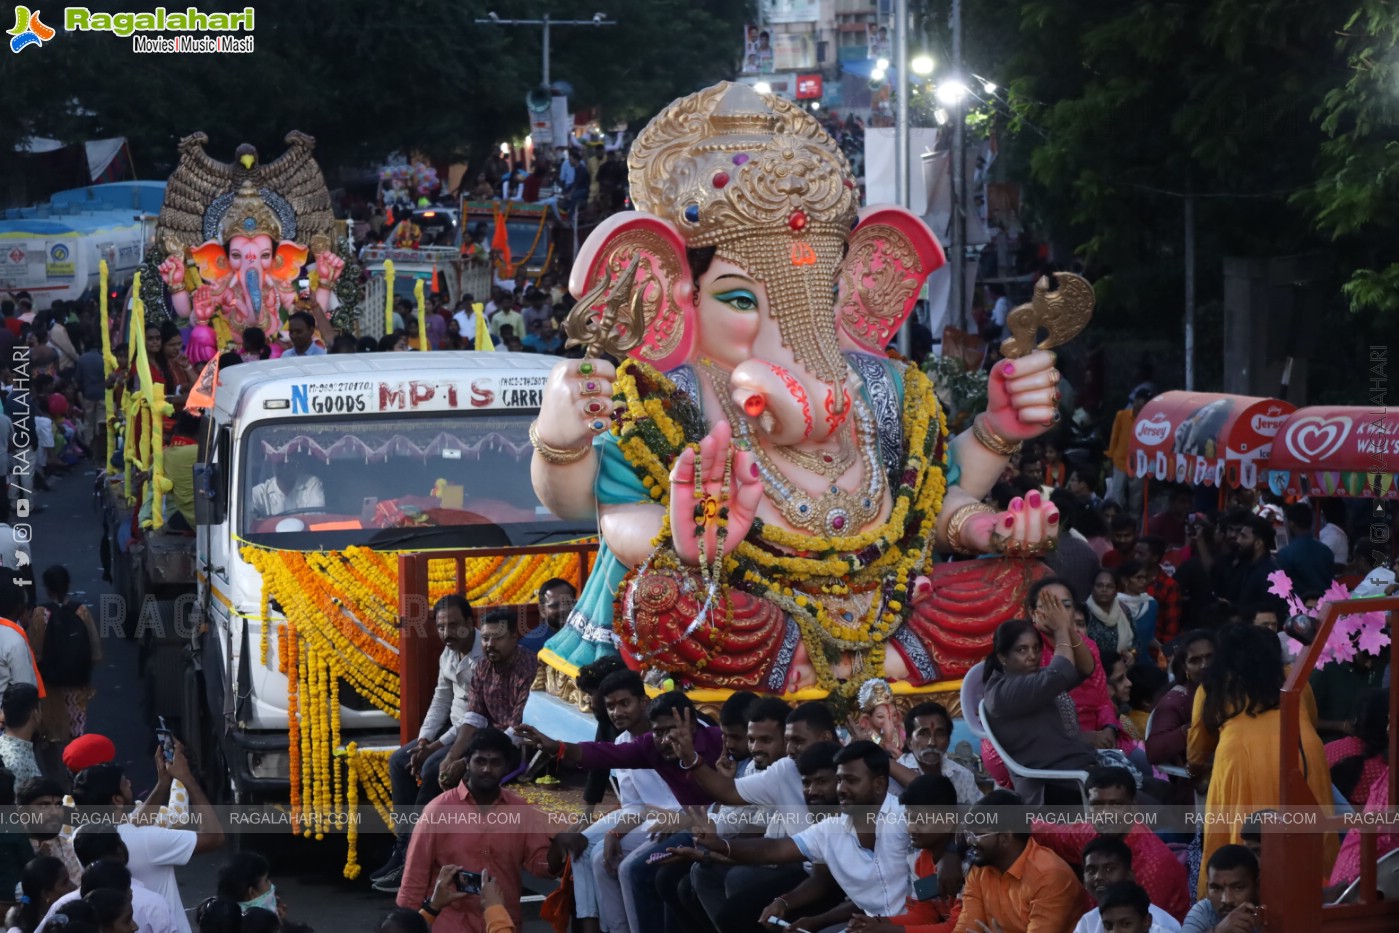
pixel 395 482
pixel 439 228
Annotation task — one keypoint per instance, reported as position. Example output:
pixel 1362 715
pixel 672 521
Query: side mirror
pixel 210 503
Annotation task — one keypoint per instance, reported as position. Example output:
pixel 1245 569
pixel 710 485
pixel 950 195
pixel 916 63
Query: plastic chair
pixel 1386 880
pixel 973 688
pixel 1036 777
pixel 1175 771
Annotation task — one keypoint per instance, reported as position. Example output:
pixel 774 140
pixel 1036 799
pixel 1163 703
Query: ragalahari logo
pixel 29 30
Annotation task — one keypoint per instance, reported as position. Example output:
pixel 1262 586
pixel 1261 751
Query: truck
pixel 53 250
pixel 438 253
pixel 360 457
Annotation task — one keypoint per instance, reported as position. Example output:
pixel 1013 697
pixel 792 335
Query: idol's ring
pixel 590 388
pixel 597 426
pixel 586 368
pixel 595 407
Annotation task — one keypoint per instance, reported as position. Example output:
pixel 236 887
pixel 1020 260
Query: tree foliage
pixel 365 77
pixel 1358 164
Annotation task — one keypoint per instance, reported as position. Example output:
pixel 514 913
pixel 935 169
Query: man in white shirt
pixel 466 319
pixel 16 658
pixel 597 889
pixel 420 760
pixel 103 856
pixel 778 787
pixel 21 707
pixel 301 328
pixel 289 489
pixel 1125 907
pixel 1107 863
pixel 1331 533
pixel 154 851
pixel 928 729
pixel 864 850
pixel 506 314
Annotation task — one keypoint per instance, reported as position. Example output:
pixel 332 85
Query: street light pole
pixel 957 254
pixel 902 192
pixel 903 188
pixel 598 20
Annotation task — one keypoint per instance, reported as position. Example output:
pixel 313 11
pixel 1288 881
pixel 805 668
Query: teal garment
pixel 588 634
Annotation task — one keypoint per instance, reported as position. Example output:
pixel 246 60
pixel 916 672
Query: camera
pixel 469 882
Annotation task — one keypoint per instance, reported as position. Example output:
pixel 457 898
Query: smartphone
pixel 469 882
pixel 779 922
pixel 926 888
pixel 167 740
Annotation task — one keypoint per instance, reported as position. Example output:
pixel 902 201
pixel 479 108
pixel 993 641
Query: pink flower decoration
pixel 1372 641
pixel 1281 583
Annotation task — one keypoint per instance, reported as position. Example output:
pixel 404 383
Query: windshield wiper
pixel 534 537
pixel 494 536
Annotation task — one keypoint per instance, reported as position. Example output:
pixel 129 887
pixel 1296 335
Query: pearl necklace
pixel 834 512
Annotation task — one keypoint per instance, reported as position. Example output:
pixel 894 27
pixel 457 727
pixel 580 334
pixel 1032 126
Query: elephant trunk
pixel 791 406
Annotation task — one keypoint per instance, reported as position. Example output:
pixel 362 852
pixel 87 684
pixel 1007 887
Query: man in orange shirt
pixel 1126 491
pixel 462 826
pixel 1015 882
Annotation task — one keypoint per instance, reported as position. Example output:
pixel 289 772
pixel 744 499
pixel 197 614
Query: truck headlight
pixel 266 765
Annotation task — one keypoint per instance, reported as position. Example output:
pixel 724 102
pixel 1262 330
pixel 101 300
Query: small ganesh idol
pixel 878 717
pixel 238 238
pixel 775 495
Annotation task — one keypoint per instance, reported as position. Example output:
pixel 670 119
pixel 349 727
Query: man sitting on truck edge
pixel 419 760
pixel 499 689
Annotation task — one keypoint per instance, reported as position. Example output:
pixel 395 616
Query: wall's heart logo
pixel 1312 440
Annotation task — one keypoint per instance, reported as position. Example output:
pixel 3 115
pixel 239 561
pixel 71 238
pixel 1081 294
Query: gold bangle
pixel 993 442
pixel 556 455
pixel 960 518
pixel 176 288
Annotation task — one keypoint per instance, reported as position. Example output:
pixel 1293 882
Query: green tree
pixel 1358 164
pixel 1122 110
pixel 364 77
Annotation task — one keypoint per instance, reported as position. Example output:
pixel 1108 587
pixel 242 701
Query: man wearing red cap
pixel 88 750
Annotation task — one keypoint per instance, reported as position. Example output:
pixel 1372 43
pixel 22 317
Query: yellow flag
pixel 483 334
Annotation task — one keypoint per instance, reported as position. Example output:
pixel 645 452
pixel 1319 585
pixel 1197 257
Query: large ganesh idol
pixel 238 236
pixel 771 489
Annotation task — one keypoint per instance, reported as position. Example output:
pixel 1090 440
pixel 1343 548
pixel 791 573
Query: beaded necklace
pixel 835 511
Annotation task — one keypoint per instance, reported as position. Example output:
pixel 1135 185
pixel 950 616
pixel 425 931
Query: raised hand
pixel 716 453
pixel 1029 527
pixel 1022 396
pixel 172 271
pixel 577 403
pixel 328 268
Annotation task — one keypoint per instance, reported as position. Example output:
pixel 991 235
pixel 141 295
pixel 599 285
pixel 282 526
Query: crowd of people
pixel 1152 662
pixel 1152 658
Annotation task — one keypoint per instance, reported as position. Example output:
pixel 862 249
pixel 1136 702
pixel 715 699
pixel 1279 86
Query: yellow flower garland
pixel 341 627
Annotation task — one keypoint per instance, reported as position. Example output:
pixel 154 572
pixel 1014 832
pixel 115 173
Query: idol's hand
pixel 696 514
pixel 1022 396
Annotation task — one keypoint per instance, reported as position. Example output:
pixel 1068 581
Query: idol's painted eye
pixel 740 299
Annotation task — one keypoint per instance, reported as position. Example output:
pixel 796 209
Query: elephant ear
pixel 891 254
pixel 211 260
pixel 287 263
pixel 635 292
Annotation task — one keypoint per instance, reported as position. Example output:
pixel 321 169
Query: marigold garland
pixel 340 627
pixel 657 421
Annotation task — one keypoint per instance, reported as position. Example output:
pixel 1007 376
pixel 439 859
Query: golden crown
pixel 250 215
pixel 874 693
pixel 728 163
